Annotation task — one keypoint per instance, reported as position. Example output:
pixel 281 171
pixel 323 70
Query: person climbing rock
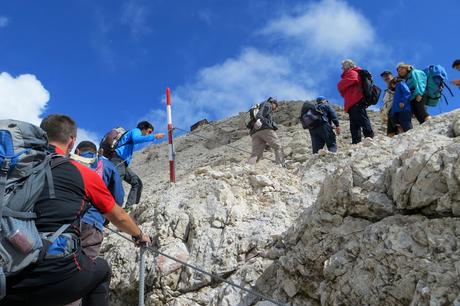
pixel 350 88
pixel 263 133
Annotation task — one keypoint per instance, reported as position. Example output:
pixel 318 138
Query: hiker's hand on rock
pixel 159 135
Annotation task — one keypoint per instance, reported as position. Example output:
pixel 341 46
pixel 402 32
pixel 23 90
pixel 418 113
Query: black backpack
pixel 311 116
pixel 251 116
pixel 371 91
pixel 110 142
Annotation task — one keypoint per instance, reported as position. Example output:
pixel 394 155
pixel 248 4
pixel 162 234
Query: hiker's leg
pixel 355 128
pixel 391 126
pixel 90 283
pixel 317 141
pixel 405 120
pixel 258 147
pixel 365 123
pixel 271 138
pixel 135 193
pixel 91 240
pixel 419 110
pixel 120 165
pixel 330 138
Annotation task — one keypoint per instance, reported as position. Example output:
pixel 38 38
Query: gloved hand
pixel 257 124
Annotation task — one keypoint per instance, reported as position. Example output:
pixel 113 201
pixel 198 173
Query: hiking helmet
pixel 321 99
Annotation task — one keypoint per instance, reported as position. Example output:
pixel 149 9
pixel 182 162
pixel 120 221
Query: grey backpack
pixel 25 164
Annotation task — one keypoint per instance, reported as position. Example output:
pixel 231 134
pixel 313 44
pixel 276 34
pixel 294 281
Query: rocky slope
pixel 375 224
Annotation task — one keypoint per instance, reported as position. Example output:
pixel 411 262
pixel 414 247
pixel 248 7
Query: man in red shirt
pixel 66 274
pixel 350 88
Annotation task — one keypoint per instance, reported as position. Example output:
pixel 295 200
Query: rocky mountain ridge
pixel 374 224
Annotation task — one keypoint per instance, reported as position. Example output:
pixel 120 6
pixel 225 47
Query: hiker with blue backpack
pixel 44 195
pixel 119 145
pixel 456 65
pixel 416 80
pixel 401 109
pixel 351 89
pixel 318 116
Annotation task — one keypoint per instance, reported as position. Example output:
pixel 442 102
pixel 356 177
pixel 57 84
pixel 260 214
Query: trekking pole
pixel 172 174
pixel 141 276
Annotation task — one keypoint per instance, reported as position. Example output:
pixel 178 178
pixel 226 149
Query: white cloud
pixel 25 98
pixel 135 17
pixel 4 21
pixel 233 86
pixel 22 98
pixel 328 27
pixel 83 134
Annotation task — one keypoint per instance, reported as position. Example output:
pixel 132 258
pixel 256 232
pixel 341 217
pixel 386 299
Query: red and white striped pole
pixel 172 174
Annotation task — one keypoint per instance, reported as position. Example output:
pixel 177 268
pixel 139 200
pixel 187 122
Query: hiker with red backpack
pixel 351 89
pixel 40 250
pixel 119 145
pixel 416 81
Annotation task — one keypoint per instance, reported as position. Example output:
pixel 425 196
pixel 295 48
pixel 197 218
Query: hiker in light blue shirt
pixel 124 154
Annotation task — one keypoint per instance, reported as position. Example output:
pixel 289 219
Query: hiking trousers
pixel 91 240
pixel 404 120
pixel 359 121
pixel 262 138
pixel 127 175
pixel 419 110
pixel 91 284
pixel 323 135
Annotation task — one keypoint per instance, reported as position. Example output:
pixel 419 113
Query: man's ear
pixel 77 151
pixel 70 144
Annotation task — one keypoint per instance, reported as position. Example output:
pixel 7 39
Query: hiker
pixel 65 274
pixel 456 65
pixel 401 109
pixel 318 117
pixel 385 111
pixel 350 88
pixel 416 80
pixel 92 222
pixel 123 155
pixel 263 133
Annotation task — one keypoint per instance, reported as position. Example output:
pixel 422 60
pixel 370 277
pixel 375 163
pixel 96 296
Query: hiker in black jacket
pixel 318 118
pixel 263 133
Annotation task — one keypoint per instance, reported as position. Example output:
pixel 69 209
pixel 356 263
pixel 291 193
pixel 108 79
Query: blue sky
pixel 107 63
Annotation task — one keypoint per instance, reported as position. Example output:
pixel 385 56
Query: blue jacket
pixel 402 95
pixel 114 185
pixel 128 141
pixel 416 81
pixel 329 114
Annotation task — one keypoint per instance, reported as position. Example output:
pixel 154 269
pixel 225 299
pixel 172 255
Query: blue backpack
pixel 25 165
pixel 436 81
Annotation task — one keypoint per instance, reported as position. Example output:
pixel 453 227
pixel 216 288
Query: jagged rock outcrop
pixel 374 224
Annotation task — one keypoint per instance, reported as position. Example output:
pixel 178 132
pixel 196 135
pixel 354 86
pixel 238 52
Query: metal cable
pixel 213 276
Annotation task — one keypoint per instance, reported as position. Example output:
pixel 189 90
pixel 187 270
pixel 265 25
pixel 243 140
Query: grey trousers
pixel 127 175
pixel 262 138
